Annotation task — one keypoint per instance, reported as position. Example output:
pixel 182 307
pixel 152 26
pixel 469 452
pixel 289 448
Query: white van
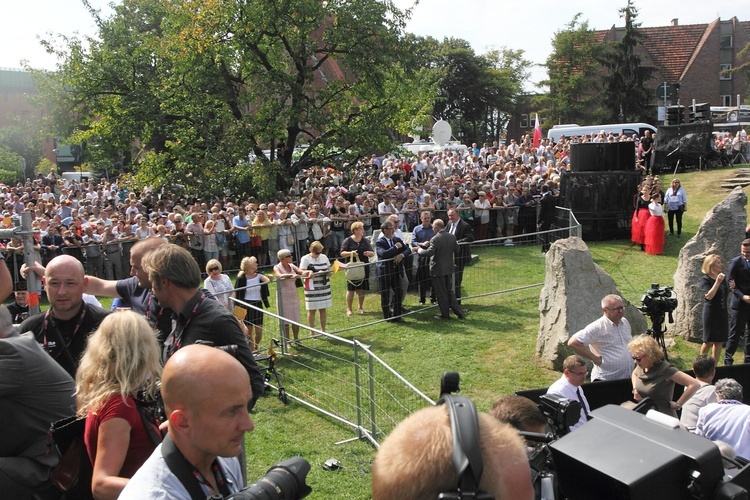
pixel 575 130
pixel 77 176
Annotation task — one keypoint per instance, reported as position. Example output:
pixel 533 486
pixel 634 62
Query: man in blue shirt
pixel 422 234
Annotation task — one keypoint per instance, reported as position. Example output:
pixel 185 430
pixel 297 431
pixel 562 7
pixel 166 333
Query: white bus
pixel 575 130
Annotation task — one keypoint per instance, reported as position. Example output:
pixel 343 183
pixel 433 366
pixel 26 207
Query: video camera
pixel 283 481
pixel 659 301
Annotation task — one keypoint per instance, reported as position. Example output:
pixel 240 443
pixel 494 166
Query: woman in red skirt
pixel 654 237
pixel 640 217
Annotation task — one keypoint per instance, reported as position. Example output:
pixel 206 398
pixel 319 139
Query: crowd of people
pixel 104 366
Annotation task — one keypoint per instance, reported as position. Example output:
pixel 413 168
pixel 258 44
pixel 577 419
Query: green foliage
pixel 10 166
pixel 199 85
pixel 573 75
pixel 476 93
pixel 627 98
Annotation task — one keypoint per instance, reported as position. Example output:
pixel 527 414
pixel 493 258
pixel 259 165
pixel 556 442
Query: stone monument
pixel 571 299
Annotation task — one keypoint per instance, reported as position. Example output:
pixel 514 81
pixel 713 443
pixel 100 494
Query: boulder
pixel 571 299
pixel 721 232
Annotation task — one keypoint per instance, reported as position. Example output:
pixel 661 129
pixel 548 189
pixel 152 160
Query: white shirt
pixel 609 341
pixel 727 421
pixel 563 387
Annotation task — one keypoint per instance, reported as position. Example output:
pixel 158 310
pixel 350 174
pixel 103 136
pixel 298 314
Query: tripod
pixel 658 329
pixel 740 156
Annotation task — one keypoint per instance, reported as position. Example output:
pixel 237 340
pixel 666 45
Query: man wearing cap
pixel 19 309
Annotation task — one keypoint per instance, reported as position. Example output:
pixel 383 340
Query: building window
pixel 722 74
pixel 725 42
pixel 726 100
pixel 524 121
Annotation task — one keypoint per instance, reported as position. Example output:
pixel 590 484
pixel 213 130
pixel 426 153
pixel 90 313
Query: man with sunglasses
pixel 569 386
pixel 604 342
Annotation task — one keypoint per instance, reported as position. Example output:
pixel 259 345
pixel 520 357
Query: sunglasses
pixel 212 269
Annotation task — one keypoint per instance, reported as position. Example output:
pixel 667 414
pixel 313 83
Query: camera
pixel 656 304
pixel 658 301
pixel 283 481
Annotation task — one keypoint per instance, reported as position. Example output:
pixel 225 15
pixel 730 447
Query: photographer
pixel 414 461
pixel 206 393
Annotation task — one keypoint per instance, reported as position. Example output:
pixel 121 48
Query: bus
pixel 575 130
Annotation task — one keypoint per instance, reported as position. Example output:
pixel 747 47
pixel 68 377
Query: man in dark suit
pixel 739 272
pixel 391 252
pixel 546 216
pixel 441 249
pixel 464 235
pixel 34 392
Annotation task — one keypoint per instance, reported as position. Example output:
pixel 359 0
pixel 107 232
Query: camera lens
pixel 285 481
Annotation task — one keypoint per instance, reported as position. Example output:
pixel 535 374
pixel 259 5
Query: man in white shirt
pixel 605 342
pixel 704 367
pixel 569 386
pixel 728 419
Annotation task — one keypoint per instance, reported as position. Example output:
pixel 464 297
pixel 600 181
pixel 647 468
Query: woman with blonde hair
pixel 654 377
pixel 715 293
pixel 252 288
pixel 218 284
pixel 318 297
pixel 120 367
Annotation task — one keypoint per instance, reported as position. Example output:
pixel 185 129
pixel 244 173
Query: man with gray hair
pixel 728 419
pixel 605 342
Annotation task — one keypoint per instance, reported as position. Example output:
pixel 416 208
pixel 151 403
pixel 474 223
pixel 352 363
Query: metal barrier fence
pixel 342 378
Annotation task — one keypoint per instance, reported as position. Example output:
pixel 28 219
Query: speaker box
pixel 602 156
pixel 620 454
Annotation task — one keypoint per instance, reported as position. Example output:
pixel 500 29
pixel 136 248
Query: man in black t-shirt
pixel 65 327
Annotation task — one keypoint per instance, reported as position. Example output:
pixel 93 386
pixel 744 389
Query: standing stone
pixel 721 232
pixel 571 299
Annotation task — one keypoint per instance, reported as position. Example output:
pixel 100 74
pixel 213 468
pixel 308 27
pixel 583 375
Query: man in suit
pixel 739 272
pixel 546 216
pixel 441 249
pixel 464 235
pixel 34 392
pixel 391 252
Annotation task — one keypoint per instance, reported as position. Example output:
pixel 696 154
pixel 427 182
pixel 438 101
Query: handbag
pixel 72 474
pixel 290 239
pixel 256 242
pixel 355 270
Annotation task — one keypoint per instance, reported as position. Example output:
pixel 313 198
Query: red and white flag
pixel 537 132
pixel 309 284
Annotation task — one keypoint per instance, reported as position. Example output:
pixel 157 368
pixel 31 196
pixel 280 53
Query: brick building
pixel 694 56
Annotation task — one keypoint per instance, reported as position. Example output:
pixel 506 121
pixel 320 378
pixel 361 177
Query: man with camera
pixel 605 342
pixel 569 386
pixel 415 460
pixel 175 281
pixel 206 392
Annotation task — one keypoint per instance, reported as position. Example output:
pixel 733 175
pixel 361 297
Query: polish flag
pixel 537 132
pixel 309 284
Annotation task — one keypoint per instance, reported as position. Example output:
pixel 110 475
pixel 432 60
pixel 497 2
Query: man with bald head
pixel 206 392
pixel 64 328
pixel 415 460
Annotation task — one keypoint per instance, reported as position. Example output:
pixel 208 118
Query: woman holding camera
pixel 715 292
pixel 121 366
pixel 654 377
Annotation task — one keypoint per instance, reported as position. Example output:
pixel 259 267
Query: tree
pixel 626 96
pixel 198 85
pixel 474 92
pixel 573 75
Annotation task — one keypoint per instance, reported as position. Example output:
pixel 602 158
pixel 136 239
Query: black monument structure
pixel 601 187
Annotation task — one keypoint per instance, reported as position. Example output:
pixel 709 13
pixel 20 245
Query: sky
pixel 527 25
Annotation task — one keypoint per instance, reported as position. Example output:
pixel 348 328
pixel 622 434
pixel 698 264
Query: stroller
pixel 266 360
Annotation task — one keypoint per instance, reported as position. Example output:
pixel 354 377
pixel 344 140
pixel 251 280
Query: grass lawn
pixel 493 349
